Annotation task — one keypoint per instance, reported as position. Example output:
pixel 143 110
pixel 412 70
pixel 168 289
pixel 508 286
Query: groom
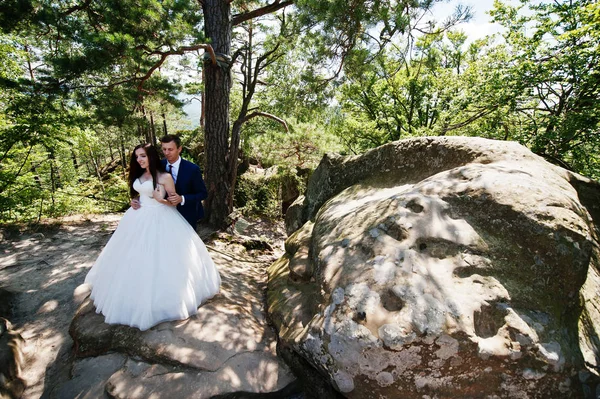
pixel 189 185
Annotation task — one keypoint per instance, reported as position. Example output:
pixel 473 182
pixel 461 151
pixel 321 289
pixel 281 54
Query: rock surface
pixel 42 267
pixel 227 349
pixel 11 361
pixel 445 267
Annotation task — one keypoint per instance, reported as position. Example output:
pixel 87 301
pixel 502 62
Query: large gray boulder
pixel 446 267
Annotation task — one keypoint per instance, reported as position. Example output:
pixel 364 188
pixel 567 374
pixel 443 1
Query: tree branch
pixel 264 57
pixel 555 160
pixel 14 179
pixel 266 115
pixel 92 196
pixel 180 51
pixel 71 10
pixel 464 123
pixel 276 5
pixel 8 150
pixel 235 55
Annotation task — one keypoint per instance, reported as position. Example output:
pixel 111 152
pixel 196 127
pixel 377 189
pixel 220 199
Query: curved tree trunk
pixel 217 27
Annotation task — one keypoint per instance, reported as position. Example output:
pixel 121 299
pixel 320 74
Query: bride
pixel 154 268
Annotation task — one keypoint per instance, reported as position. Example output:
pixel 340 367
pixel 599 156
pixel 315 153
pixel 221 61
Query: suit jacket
pixel 191 185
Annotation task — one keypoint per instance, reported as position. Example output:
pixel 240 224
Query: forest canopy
pixel 278 83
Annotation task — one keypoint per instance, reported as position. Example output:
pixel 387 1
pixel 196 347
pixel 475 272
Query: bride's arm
pixel 166 183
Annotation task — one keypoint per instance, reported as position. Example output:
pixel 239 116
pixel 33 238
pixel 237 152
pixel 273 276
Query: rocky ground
pixel 229 345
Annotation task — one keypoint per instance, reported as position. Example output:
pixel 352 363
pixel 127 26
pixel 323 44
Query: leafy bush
pixel 264 192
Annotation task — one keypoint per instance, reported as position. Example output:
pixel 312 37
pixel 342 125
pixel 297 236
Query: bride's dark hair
pixel 136 171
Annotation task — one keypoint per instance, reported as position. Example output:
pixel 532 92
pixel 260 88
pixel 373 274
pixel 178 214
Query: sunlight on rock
pixel 186 355
pixel 265 375
pixel 251 345
pixel 84 265
pixel 24 244
pixel 8 261
pixel 230 375
pixel 81 292
pixel 59 277
pixel 47 345
pixel 138 392
pixel 343 206
pixel 58 271
pixel 48 306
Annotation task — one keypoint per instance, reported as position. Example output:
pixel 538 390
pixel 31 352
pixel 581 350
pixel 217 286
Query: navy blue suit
pixel 191 185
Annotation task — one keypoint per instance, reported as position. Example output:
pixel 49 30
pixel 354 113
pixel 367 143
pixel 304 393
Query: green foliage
pixel 257 194
pixel 261 192
pixel 45 148
pixel 76 96
pixel 290 158
pixel 302 146
pixel 554 62
pixel 393 97
pixel 338 30
pixel 539 86
pixel 49 185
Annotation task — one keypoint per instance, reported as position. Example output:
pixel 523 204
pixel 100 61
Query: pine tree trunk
pixel 140 131
pixel 146 127
pixel 98 174
pixel 110 151
pixel 203 100
pixel 153 129
pixel 247 92
pixel 53 187
pixel 217 25
pixel 123 154
pixel 233 158
pixel 164 118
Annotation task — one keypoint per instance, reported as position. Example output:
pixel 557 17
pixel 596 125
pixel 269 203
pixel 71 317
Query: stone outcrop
pixel 6 299
pixel 11 361
pixel 589 320
pixel 227 348
pixel 447 267
pixel 12 384
pixel 41 266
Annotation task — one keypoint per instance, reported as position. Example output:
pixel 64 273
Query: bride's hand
pixel 159 193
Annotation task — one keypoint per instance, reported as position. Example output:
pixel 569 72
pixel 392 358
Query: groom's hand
pixel 174 199
pixel 135 203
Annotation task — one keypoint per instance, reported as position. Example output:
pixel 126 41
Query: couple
pixel 155 268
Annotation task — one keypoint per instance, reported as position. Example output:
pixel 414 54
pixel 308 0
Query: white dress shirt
pixel 175 172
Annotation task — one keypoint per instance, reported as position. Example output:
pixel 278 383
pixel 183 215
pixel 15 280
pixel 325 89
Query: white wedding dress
pixel 154 268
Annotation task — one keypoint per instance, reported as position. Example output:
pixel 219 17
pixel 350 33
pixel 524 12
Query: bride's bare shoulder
pixel 164 177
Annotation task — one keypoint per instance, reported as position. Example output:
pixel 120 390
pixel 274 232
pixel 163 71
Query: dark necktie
pixel 170 170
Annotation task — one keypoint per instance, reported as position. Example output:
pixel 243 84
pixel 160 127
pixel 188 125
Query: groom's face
pixel 171 151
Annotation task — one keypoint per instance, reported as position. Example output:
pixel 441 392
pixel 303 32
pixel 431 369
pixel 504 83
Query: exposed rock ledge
pixel 227 349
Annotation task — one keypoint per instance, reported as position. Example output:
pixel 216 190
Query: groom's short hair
pixel 171 137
